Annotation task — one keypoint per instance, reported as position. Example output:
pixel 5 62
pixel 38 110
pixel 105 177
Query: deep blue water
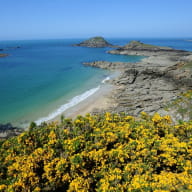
pixel 42 75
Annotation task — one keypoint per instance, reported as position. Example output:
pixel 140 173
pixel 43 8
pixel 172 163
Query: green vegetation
pixel 182 105
pixel 140 45
pixel 98 38
pixel 106 153
pixel 188 65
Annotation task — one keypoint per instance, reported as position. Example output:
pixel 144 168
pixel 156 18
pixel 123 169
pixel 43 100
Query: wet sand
pixel 100 100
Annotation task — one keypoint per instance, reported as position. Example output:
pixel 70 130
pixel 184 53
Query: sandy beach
pixel 98 101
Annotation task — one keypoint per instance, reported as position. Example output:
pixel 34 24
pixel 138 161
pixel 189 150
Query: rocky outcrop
pixel 7 131
pixel 139 48
pixel 15 47
pixel 151 84
pixel 148 90
pixel 94 42
pixel 106 65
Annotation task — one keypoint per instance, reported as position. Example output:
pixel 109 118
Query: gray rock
pixel 7 131
pixel 151 84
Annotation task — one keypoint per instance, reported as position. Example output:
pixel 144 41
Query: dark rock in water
pixel 3 55
pixel 7 131
pixel 1 49
pixel 17 47
pixel 95 42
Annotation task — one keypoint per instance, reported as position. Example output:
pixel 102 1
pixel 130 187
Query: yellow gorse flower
pixel 109 152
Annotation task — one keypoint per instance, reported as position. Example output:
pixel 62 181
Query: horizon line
pixel 112 37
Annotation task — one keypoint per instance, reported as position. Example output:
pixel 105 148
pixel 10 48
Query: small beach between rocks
pixel 99 101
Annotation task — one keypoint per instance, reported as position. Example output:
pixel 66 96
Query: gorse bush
pixel 102 153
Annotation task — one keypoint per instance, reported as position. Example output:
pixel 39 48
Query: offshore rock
pixel 3 55
pixel 95 42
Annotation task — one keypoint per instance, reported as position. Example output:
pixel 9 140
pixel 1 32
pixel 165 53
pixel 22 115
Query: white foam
pixel 74 101
pixel 106 79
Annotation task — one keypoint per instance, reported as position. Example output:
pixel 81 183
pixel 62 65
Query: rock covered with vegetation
pixel 137 45
pixel 94 42
pixel 106 152
pixel 139 48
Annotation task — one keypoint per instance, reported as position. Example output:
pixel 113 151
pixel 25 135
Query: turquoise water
pixel 43 75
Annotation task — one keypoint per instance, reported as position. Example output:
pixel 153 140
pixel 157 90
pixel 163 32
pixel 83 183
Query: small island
pixel 94 42
pixel 139 48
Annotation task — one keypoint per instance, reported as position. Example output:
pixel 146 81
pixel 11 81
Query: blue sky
pixel 36 19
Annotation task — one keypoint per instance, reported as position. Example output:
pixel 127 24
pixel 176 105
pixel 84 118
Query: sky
pixel 55 19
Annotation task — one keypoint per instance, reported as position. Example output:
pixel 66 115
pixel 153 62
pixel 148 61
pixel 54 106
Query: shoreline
pixel 143 86
pixel 100 100
pixel 151 84
pixel 95 99
pixel 146 86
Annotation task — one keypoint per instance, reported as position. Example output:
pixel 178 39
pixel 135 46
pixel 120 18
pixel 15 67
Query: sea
pixel 40 79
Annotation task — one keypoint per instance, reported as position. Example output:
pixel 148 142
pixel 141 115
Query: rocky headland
pixel 95 42
pixel 139 48
pixel 150 84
